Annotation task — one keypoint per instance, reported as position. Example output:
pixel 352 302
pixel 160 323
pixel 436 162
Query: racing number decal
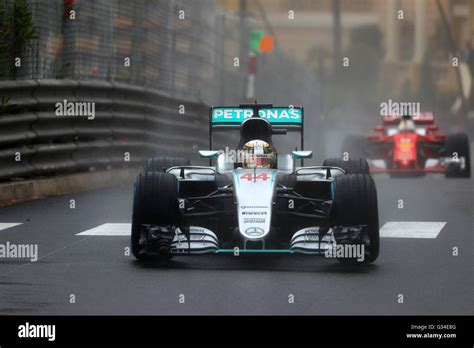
pixel 263 176
pixel 247 176
pixel 250 177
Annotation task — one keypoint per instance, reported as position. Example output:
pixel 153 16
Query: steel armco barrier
pixel 130 125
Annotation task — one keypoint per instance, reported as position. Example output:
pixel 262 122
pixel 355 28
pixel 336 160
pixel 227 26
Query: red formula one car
pixel 411 146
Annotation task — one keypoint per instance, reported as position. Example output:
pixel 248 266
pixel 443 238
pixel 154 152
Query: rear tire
pixel 458 144
pixel 162 163
pixel 352 166
pixel 155 202
pixel 355 203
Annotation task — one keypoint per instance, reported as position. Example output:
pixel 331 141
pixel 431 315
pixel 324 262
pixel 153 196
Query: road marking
pixel 5 225
pixel 108 230
pixel 392 229
pixel 411 229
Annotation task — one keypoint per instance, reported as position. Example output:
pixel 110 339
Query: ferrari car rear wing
pixel 282 118
pixel 420 118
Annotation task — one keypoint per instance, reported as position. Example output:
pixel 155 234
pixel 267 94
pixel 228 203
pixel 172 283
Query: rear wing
pixel 282 118
pixel 420 118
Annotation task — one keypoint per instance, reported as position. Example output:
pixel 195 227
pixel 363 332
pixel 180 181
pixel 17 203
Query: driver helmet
pixel 258 154
pixel 406 124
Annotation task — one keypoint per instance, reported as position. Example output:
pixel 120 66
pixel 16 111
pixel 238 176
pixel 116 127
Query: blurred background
pixel 181 47
pixel 339 59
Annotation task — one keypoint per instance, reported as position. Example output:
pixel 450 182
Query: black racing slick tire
pixel 162 163
pixel 352 166
pixel 458 145
pixel 155 202
pixel 355 203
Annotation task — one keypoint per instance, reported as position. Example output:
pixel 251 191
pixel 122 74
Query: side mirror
pixel 379 129
pixel 209 153
pixel 301 154
pixel 432 128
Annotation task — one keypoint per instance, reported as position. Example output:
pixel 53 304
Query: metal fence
pixel 185 48
pixel 129 125
pixel 181 52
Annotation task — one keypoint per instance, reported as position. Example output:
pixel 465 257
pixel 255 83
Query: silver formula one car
pixel 251 199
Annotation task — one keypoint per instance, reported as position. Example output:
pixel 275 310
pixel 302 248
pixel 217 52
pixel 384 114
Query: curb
pixel 29 190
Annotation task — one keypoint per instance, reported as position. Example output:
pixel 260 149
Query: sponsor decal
pixel 254 220
pixel 313 237
pixel 254 231
pixel 194 229
pixel 253 207
pixel 196 234
pixel 421 117
pixel 273 115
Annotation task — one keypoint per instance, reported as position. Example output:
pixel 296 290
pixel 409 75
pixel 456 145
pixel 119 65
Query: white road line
pixel 392 229
pixel 108 230
pixel 411 229
pixel 5 225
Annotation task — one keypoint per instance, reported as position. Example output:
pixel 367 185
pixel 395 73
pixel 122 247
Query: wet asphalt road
pixel 105 281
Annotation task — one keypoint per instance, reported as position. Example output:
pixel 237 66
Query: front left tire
pixel 458 145
pixel 351 166
pixel 355 203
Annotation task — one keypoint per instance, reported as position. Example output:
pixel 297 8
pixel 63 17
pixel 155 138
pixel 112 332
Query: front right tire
pixel 155 202
pixel 162 163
